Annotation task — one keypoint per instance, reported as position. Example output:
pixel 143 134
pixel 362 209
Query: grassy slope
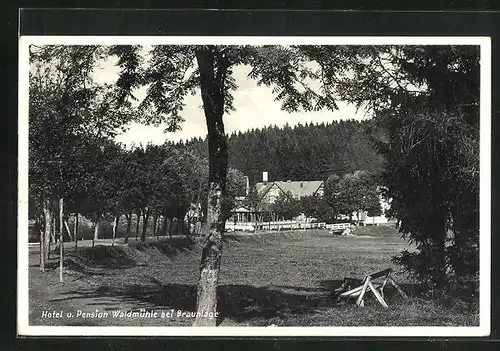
pixel 275 278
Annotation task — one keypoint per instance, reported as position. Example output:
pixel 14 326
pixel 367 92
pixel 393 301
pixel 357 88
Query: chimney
pixel 264 177
pixel 247 189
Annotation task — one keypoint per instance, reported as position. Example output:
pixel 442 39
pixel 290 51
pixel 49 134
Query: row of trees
pixel 157 183
pixel 302 152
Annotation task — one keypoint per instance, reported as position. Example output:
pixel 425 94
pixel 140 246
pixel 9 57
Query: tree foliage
pixel 286 206
pixel 316 206
pixel 353 193
pixel 426 103
pixel 302 152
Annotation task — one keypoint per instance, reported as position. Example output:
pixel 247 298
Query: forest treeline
pixel 302 152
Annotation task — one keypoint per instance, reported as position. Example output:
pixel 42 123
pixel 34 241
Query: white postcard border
pixel 483 329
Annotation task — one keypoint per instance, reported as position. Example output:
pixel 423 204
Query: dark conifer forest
pixel 303 152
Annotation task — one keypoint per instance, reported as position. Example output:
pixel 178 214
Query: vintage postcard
pixel 254 186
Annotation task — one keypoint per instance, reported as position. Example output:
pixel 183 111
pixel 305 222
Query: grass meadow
pixel 284 278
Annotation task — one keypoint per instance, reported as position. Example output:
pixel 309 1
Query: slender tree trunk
pixel 164 225
pixel 129 224
pixel 41 236
pixel 96 229
pixel 212 64
pixel 75 232
pixel 190 225
pixel 115 226
pixel 54 230
pixel 155 222
pixel 145 218
pixel 45 241
pixel 170 220
pixel 158 229
pixel 137 223
pixel 183 230
pixel 61 240
pixel 67 229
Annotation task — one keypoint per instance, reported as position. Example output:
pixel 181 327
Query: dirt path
pixel 83 294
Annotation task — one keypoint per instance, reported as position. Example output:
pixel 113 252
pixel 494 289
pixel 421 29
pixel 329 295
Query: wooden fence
pixel 273 225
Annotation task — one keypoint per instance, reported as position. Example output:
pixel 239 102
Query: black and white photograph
pixel 254 186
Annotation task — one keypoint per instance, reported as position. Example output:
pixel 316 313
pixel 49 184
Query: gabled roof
pixel 263 187
pixel 241 209
pixel 297 188
pixel 300 188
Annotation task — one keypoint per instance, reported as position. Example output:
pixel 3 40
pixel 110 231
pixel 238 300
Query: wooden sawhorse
pixel 377 289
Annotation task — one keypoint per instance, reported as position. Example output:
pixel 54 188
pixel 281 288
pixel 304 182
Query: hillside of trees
pixel 303 152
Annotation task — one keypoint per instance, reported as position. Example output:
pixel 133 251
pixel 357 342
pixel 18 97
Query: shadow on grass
pixel 240 303
pixel 52 264
pixel 125 256
pixel 169 247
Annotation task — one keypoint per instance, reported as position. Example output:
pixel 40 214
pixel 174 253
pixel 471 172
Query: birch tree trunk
pixel 137 223
pixel 213 65
pixel 45 240
pixel 145 219
pixel 165 220
pixel 96 229
pixel 67 229
pixel 115 226
pixel 129 224
pixel 53 232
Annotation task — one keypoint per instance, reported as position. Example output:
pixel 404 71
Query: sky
pixel 255 107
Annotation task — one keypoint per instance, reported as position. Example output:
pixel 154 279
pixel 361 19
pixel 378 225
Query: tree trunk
pixel 183 229
pixel 212 64
pixel 145 218
pixel 53 232
pixel 75 232
pixel 137 223
pixel 67 229
pixel 61 239
pixel 115 226
pixel 164 225
pixel 41 237
pixel 96 229
pixel 170 220
pixel 155 222
pixel 45 240
pixel 129 224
